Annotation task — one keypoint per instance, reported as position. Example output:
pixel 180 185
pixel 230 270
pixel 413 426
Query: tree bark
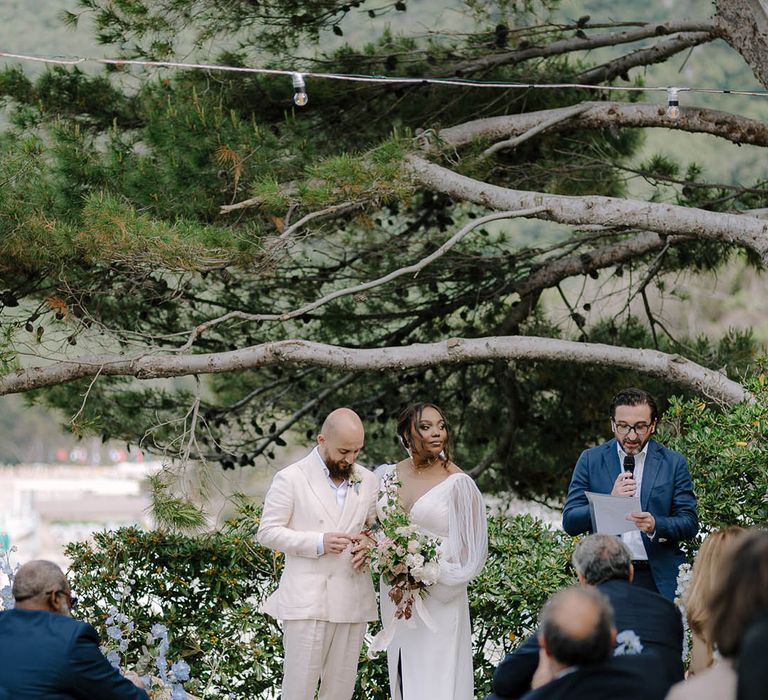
pixel 605 114
pixel 665 219
pixel 744 25
pixel 671 368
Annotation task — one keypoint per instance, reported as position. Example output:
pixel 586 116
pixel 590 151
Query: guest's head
pixel 424 432
pixel 42 585
pixel 707 569
pixel 576 627
pixel 340 440
pixel 634 415
pixel 740 593
pixel 599 558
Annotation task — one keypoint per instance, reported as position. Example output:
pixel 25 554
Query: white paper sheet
pixel 609 513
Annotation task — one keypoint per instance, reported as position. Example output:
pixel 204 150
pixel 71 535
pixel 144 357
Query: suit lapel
pixel 650 472
pixel 610 465
pixel 318 484
pixel 351 503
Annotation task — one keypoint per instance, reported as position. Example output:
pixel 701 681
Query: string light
pixel 300 97
pixel 455 82
pixel 673 109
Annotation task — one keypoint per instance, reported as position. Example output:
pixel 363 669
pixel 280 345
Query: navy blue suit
pixel 621 677
pixel 666 493
pixel 652 617
pixel 48 656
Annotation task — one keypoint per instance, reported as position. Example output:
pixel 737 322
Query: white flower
pixel 414 561
pixel 627 642
pixel 414 546
pixel 429 573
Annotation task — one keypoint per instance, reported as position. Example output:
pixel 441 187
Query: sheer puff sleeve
pixel 464 551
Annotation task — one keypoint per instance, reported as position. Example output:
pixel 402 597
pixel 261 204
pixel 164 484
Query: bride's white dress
pixel 437 665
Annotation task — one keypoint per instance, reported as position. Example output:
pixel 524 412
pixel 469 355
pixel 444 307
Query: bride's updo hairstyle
pixel 408 432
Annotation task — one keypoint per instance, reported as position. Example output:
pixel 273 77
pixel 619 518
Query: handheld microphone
pixel 629 464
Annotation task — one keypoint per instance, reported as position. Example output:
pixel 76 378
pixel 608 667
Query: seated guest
pixel 604 561
pixel 706 569
pixel 739 595
pixel 46 655
pixel 575 660
pixel 753 671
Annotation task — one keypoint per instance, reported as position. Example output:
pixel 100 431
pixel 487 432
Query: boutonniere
pixel 355 480
pixel 627 643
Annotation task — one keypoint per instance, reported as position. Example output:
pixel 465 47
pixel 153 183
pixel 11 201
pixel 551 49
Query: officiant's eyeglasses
pixel 639 428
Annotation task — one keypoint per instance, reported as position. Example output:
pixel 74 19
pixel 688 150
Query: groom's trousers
pixel 316 650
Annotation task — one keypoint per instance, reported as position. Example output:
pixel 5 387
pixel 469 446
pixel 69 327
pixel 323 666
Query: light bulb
pixel 673 109
pixel 300 97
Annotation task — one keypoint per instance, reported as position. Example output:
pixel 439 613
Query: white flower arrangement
pixel 406 558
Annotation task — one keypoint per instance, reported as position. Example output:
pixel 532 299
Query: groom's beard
pixel 337 470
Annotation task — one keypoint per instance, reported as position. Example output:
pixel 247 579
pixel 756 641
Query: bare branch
pixel 602 114
pixel 359 288
pixel 671 368
pixel 558 48
pixel 667 219
pixel 744 25
pixel 297 415
pixel 561 116
pixel 327 213
pixel 658 53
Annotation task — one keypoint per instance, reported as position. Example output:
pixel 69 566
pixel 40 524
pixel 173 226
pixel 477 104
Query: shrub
pixel 207 590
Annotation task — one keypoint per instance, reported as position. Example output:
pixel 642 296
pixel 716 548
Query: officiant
pixel 634 463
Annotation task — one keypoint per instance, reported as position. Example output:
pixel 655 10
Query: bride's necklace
pixel 420 472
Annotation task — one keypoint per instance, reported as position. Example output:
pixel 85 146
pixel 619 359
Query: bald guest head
pixel 577 627
pixel 340 440
pixel 42 585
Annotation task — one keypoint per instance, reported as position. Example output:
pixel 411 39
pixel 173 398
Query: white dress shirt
pixel 340 491
pixel 634 539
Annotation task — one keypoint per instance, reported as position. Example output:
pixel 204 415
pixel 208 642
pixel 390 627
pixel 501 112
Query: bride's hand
pixel 361 547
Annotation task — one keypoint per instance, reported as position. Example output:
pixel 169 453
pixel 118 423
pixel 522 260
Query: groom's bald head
pixel 340 440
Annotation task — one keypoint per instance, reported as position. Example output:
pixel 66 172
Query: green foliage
pixel 171 512
pixel 207 589
pixel 113 234
pixel 726 451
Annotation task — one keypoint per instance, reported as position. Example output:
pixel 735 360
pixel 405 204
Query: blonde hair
pixel 707 571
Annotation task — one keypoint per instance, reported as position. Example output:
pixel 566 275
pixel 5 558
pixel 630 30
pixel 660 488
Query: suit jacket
pixel 621 677
pixel 652 617
pixel 48 656
pixel 666 493
pixel 299 506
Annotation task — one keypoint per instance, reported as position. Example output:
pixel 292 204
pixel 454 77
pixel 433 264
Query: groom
pixel 314 512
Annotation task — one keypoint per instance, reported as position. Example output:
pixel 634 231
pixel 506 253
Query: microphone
pixel 629 464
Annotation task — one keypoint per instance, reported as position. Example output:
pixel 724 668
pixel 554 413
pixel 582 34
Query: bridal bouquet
pixel 405 558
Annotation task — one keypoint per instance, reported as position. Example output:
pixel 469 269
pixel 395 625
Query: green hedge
pixel 207 589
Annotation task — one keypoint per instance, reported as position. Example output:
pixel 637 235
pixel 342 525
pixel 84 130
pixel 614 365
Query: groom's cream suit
pixel 323 601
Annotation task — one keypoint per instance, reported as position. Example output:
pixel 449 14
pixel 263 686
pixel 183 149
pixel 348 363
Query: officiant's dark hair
pixel 634 397
pixel 407 428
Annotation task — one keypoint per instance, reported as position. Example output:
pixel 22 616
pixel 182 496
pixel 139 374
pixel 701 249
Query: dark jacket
pixel 753 669
pixel 619 678
pixel 48 656
pixel 655 620
pixel 666 493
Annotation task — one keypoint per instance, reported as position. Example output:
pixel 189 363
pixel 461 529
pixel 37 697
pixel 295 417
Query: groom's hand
pixel 361 546
pixel 335 542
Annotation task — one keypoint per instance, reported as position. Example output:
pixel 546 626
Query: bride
pixel 443 502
